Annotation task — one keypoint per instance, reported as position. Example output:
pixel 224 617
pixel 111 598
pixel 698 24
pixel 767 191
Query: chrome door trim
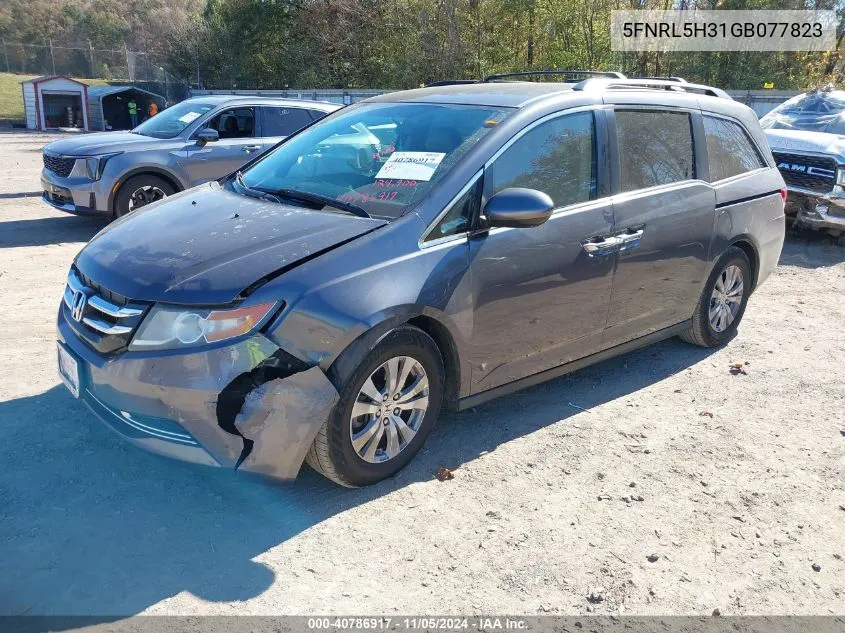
pixel 571 209
pixel 639 193
pixel 549 117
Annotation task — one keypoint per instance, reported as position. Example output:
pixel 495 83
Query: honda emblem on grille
pixel 77 305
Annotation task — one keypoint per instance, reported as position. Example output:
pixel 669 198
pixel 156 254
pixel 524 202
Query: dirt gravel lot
pixel 734 482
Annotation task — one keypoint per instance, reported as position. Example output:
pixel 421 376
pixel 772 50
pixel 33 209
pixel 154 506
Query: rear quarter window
pixel 284 120
pixel 318 114
pixel 655 148
pixel 730 151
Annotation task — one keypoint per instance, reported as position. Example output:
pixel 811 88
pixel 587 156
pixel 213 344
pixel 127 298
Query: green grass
pixel 11 95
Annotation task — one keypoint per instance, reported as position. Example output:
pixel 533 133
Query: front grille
pixel 816 173
pixel 103 319
pixel 59 165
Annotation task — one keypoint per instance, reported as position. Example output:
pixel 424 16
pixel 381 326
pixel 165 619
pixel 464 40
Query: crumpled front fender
pixel 282 418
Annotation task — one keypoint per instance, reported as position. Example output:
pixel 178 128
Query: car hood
pixel 802 141
pixel 101 143
pixel 204 246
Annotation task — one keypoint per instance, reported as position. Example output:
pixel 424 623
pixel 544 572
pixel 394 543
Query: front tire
pixel 723 300
pixel 140 191
pixel 386 411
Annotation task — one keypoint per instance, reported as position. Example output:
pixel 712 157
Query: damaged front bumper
pixel 816 210
pixel 247 406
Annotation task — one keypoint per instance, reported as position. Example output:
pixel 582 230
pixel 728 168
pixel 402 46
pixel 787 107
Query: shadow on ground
pixel 91 525
pixel 810 249
pixel 21 194
pixel 49 230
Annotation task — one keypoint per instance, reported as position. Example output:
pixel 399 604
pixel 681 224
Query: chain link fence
pixel 139 68
pixel 340 97
pixel 116 66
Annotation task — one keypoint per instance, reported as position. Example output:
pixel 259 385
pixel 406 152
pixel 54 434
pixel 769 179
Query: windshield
pixel 170 122
pixel 817 111
pixel 382 158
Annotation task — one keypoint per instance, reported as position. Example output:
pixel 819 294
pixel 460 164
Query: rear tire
pixel 405 351
pixel 140 191
pixel 722 302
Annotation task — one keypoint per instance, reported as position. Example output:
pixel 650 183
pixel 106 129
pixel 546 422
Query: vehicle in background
pixel 195 141
pixel 807 137
pixel 325 303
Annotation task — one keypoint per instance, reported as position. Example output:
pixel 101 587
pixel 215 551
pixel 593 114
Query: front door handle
pixel 606 246
pixel 251 148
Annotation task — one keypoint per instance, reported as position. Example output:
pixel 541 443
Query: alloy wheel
pixel 389 409
pixel 143 196
pixel 726 298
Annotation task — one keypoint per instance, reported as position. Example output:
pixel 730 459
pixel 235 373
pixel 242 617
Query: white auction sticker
pixel 411 165
pixel 188 117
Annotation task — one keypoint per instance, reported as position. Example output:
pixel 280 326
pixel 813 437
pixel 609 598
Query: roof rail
pixel 649 84
pixel 451 82
pixel 680 80
pixel 568 73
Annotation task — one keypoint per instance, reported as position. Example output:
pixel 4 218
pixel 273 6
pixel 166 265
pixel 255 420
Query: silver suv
pixel 192 142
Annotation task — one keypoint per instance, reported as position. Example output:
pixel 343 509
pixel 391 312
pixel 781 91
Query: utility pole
pixel 52 57
pixel 128 67
pixel 6 56
pixel 91 53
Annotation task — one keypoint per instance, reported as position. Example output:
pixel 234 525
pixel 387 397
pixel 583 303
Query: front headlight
pixel 175 327
pixel 840 176
pixel 94 165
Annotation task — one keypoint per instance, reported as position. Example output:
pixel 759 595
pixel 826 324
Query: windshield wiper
pixel 301 196
pixel 255 193
pixel 316 198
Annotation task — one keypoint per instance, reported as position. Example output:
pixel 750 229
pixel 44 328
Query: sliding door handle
pixel 630 240
pixel 606 246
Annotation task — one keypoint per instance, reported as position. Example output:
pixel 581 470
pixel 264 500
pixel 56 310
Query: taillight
pixel 783 195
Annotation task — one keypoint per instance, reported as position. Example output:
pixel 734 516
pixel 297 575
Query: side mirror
pixel 207 135
pixel 516 207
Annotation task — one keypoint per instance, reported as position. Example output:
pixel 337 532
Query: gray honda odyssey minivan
pixel 328 300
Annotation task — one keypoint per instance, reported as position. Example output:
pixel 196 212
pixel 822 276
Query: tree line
pixel 274 44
